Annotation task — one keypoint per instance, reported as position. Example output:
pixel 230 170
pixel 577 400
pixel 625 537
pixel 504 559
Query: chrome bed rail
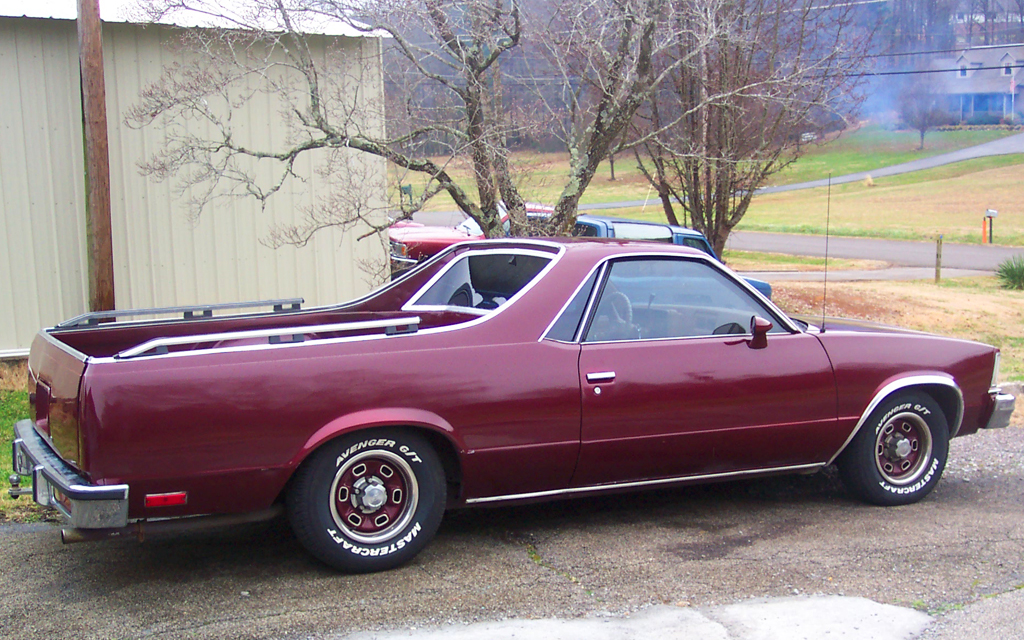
pixel 194 312
pixel 159 346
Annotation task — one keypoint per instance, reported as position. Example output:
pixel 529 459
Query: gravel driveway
pixel 691 547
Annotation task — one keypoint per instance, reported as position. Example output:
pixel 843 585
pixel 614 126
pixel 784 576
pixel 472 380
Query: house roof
pixel 229 14
pixel 985 73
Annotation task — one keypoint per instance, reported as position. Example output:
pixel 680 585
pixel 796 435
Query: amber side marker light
pixel 166 499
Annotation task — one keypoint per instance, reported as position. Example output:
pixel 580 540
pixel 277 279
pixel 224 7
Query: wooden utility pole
pixel 97 160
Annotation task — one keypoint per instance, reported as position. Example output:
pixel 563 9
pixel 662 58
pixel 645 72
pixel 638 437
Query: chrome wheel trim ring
pixel 410 489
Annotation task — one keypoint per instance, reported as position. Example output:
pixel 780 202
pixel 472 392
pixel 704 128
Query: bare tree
pixel 767 74
pixel 444 109
pixel 920 109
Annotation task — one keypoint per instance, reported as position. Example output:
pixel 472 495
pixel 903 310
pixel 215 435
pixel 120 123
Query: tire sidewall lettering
pixel 386 549
pixel 382 443
pixel 914 488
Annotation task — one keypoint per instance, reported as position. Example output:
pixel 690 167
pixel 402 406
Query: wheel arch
pixel 942 388
pixel 437 431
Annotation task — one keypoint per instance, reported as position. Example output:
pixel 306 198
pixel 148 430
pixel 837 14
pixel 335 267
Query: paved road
pixel 899 252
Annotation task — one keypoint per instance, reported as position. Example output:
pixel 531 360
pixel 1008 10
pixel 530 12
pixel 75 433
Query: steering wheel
pixel 621 309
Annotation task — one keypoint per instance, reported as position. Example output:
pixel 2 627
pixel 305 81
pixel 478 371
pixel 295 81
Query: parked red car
pixel 497 372
pixel 412 242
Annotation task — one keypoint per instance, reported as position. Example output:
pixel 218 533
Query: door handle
pixel 600 376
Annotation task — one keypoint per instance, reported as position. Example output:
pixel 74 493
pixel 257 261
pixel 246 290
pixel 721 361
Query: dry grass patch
pixel 14 376
pixel 968 308
pixel 951 206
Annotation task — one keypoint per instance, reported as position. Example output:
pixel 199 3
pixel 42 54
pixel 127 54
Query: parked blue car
pixel 605 227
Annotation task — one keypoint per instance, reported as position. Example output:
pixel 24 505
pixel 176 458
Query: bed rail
pixel 159 346
pixel 196 312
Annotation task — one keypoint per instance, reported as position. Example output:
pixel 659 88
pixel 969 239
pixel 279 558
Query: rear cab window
pixel 480 282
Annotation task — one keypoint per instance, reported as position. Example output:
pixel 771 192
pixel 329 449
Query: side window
pixel 482 281
pixel 565 327
pixel 581 230
pixel 671 298
pixel 699 244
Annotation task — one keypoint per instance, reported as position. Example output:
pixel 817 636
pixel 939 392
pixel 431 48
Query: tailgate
pixel 56 371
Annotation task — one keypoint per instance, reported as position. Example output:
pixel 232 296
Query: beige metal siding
pixel 42 189
pixel 161 256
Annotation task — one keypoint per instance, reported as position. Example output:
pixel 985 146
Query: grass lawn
pixel 542 175
pixel 13 407
pixel 950 200
pixel 872 147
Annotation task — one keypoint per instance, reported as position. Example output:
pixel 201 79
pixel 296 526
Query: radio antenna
pixel 828 216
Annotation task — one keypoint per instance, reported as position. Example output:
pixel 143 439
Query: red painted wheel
pixel 903 446
pixel 374 494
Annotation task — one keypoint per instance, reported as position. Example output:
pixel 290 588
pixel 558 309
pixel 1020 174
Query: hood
pixel 848 324
pixel 421 233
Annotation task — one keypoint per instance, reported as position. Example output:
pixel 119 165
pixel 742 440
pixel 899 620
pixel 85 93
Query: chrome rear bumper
pixel 57 485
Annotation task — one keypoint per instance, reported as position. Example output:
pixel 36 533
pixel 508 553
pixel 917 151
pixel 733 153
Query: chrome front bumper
pixel 55 484
pixel 1004 404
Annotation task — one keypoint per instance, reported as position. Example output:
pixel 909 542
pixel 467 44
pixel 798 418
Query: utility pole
pixel 97 160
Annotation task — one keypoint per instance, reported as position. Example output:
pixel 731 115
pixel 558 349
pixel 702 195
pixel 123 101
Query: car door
pixel 673 383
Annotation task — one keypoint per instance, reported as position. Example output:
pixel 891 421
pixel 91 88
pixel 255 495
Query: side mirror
pixel 759 328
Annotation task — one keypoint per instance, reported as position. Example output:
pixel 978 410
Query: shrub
pixel 1011 272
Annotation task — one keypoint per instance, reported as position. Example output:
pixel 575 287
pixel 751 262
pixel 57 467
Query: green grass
pixel 13 407
pixel 758 261
pixel 1011 273
pixel 541 176
pixel 872 147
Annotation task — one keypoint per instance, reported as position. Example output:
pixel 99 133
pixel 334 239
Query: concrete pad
pixel 797 618
pixel 819 617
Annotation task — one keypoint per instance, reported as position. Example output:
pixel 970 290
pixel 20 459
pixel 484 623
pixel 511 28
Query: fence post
pixel 938 259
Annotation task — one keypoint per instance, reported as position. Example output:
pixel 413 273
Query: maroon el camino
pixel 497 372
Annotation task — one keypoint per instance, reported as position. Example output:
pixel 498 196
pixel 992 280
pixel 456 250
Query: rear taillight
pixel 41 402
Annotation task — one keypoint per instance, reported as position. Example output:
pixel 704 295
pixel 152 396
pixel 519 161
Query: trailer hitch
pixel 16 488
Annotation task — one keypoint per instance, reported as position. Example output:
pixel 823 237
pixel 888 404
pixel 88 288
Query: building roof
pixel 985 70
pixel 230 14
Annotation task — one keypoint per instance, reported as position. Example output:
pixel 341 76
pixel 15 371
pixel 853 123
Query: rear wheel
pixel 368 501
pixel 899 453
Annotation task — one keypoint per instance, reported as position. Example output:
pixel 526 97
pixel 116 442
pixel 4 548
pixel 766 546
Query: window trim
pixel 586 309
pixel 779 317
pixel 412 305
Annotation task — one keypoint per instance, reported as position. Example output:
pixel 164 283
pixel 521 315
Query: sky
pixel 110 10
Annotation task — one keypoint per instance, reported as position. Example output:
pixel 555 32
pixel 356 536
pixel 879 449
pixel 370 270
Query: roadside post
pixel 938 259
pixel 990 214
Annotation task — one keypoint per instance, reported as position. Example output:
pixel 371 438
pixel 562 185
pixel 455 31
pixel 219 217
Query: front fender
pixel 908 381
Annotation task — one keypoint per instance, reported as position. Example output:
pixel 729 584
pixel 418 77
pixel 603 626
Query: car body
pixel 496 372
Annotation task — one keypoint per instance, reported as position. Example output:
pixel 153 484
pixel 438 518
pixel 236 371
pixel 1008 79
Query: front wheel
pixel 899 453
pixel 368 501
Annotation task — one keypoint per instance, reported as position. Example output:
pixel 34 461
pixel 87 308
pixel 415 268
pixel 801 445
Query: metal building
pixel 162 257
